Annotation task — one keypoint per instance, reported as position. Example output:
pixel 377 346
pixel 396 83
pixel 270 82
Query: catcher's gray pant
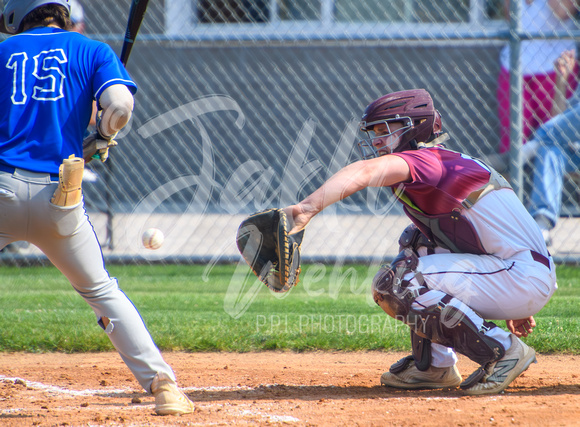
pixel 67 238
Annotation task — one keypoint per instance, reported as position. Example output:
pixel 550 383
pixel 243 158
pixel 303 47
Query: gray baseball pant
pixel 67 238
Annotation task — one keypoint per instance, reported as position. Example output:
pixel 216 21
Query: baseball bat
pixel 136 15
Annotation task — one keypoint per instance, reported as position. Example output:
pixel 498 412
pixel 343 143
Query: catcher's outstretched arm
pixel 383 171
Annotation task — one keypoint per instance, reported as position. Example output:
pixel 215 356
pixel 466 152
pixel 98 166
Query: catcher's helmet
pixel 413 108
pixel 16 10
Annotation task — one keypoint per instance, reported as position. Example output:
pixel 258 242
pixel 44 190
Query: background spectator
pixel 557 147
pixel 537 59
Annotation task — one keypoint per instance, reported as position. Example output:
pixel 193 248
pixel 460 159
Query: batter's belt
pixel 13 171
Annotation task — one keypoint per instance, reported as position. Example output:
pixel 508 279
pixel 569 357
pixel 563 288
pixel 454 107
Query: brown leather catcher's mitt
pixel 272 254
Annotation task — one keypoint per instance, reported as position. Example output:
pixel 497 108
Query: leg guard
pixel 391 292
pixel 421 351
pixel 449 326
pixel 440 323
pixel 421 355
pixel 393 295
pixel 413 239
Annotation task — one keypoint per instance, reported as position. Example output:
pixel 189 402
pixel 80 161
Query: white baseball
pixel 153 238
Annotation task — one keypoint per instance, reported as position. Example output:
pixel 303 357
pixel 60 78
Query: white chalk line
pixel 270 417
pixel 92 392
pixel 60 390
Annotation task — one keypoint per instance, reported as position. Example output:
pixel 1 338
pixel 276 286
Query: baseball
pixel 153 238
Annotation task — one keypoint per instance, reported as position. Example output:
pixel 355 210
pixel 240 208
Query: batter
pixel 49 78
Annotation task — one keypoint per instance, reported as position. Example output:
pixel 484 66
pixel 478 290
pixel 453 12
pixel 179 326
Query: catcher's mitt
pixel 272 254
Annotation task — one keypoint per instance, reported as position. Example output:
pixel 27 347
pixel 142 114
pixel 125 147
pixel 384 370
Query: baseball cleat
pixel 496 376
pixel 413 379
pixel 169 400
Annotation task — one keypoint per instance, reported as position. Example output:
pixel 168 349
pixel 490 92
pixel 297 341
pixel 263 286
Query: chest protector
pixel 451 230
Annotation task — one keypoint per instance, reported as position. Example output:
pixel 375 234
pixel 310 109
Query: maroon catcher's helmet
pixel 414 108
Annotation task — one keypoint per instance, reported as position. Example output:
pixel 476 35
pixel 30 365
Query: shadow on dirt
pixel 313 393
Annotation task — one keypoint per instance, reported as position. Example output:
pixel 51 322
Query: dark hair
pixel 46 15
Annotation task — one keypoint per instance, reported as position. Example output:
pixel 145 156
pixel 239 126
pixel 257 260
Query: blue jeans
pixel 558 154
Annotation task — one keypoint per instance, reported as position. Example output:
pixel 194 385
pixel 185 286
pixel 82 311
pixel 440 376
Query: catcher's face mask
pixel 383 136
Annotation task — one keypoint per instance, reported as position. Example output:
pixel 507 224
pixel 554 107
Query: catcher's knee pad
pixel 412 238
pixel 391 291
pixel 449 326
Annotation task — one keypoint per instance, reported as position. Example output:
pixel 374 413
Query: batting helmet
pixel 414 108
pixel 16 10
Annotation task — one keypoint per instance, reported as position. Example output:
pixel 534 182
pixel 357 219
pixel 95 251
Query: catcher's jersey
pixel 441 180
pixel 48 80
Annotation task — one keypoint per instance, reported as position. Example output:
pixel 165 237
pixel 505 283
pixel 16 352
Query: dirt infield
pixel 274 388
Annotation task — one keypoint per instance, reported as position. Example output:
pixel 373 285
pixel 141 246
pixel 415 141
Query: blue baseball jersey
pixel 48 80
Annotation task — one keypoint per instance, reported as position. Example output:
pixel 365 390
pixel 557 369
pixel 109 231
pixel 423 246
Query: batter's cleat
pixel 169 400
pixel 494 377
pixel 412 378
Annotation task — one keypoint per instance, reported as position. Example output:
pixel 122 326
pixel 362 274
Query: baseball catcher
pixel 474 252
pixel 272 253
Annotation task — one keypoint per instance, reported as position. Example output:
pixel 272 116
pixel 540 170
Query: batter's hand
pixel 521 327
pixel 97 147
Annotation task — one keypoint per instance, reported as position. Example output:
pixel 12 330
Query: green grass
pixel 193 308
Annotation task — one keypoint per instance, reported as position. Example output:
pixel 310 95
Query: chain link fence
pixel 245 105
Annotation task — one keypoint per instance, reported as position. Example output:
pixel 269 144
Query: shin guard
pixel 421 351
pixel 449 326
pixel 421 356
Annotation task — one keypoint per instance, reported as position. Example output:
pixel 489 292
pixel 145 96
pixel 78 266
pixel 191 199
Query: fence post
pixel 516 103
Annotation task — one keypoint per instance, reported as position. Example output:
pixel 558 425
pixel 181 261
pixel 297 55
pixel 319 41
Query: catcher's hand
pixel 521 327
pixel 272 253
